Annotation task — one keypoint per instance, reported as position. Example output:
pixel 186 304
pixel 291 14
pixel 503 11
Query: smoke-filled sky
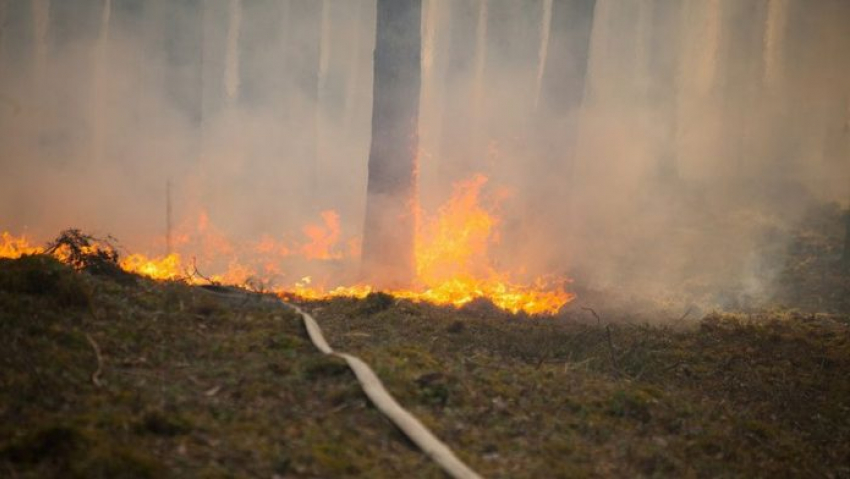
pixel 658 146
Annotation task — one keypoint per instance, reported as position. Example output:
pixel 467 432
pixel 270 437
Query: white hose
pixel 377 393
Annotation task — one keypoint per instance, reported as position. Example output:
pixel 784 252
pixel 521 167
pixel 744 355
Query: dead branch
pixel 542 359
pixel 198 273
pixel 687 313
pixel 593 312
pixel 611 351
pixel 95 377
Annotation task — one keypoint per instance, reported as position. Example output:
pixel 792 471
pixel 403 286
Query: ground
pixel 110 375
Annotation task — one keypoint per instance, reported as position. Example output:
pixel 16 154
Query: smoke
pixel 663 149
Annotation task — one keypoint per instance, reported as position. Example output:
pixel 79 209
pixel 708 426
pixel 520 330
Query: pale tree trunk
pixel 457 156
pixel 548 192
pixel 389 228
pixel 562 90
pixel 743 57
pixel 303 60
pixel 663 92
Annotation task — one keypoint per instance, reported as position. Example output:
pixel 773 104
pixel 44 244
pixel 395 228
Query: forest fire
pixel 452 255
pixel 16 246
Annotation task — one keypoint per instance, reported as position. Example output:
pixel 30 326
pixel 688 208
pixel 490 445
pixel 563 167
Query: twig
pixel 542 359
pixel 687 313
pixel 198 273
pixel 598 319
pixel 95 376
pixel 611 351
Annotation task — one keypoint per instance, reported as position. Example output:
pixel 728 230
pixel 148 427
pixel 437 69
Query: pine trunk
pixel 389 230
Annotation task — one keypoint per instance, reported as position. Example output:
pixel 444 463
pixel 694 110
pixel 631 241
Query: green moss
pixel 43 275
pixel 324 367
pixel 335 458
pixel 163 423
pixel 55 443
pixel 375 303
pixel 117 462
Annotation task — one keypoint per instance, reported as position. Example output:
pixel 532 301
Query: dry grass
pixel 191 385
pixel 744 396
pixel 107 376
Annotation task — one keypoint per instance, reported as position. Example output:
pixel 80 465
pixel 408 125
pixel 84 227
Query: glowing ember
pixel 453 261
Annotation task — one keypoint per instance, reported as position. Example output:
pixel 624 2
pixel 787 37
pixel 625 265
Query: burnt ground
pixel 194 384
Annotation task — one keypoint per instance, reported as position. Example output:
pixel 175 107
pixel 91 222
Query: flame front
pixel 454 263
pixel 166 268
pixel 14 247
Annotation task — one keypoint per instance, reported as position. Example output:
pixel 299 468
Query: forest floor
pixel 105 375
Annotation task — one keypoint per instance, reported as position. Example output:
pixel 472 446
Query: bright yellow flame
pixel 14 247
pixel 166 268
pixel 455 243
pixel 452 252
pixel 453 264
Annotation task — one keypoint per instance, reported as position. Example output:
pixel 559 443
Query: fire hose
pixel 420 435
pixel 389 407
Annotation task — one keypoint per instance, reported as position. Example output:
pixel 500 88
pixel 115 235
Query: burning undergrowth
pixel 455 261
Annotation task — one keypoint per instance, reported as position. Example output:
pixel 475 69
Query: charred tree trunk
pixel 389 230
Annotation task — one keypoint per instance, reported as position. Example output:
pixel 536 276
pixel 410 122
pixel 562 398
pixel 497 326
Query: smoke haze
pixel 663 148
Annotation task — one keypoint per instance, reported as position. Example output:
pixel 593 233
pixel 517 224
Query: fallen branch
pixel 95 376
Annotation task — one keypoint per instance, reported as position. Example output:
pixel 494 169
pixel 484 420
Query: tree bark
pixel 562 92
pixel 457 157
pixel 388 236
pixel 303 60
pixel 664 54
pixel 567 59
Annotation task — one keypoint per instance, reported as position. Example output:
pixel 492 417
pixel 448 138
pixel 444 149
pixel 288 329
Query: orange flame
pixel 322 238
pixel 453 259
pixel 14 247
pixel 455 267
pixel 166 268
pixel 453 263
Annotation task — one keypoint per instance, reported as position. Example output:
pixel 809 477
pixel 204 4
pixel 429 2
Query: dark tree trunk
pixel 389 230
